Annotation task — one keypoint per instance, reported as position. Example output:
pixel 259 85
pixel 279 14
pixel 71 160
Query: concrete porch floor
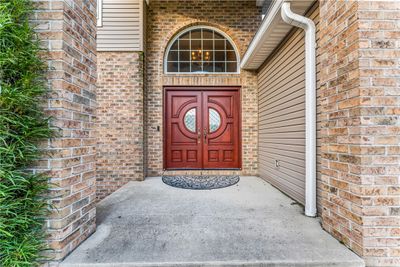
pixel 249 224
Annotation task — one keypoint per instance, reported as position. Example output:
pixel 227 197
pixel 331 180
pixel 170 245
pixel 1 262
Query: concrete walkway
pixel 250 224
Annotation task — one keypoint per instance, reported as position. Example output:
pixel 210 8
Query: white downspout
pixel 311 158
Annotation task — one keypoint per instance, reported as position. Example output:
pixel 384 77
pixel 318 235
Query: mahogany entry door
pixel 202 128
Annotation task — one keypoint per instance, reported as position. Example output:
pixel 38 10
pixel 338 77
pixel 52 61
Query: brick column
pixel 68 30
pixel 360 94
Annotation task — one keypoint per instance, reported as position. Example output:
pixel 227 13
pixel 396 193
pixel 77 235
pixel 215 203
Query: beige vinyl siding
pixel 123 26
pixel 281 94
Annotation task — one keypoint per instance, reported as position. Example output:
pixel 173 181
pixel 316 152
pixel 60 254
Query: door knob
pixel 205 135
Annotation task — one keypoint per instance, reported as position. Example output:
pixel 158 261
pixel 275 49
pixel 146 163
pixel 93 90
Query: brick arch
pixel 179 28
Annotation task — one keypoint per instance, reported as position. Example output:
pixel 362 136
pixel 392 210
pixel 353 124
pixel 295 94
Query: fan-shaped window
pixel 201 50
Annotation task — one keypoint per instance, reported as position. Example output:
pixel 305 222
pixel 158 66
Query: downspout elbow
pixel 310 83
pixel 296 20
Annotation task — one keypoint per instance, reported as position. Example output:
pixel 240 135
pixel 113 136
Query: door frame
pixel 167 88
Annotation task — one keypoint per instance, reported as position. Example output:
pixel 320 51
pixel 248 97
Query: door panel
pixel 221 122
pixel 183 116
pixel 202 129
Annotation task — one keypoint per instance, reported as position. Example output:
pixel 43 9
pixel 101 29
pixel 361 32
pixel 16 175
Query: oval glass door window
pixel 190 120
pixel 214 120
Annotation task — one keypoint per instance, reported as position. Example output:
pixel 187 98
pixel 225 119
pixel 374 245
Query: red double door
pixel 202 128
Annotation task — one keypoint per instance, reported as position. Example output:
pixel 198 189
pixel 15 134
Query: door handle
pixel 199 135
pixel 205 135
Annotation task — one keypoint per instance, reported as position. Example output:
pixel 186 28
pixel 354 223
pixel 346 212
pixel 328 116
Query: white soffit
pixel 271 33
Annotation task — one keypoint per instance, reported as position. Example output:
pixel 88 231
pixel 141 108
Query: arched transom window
pixel 201 50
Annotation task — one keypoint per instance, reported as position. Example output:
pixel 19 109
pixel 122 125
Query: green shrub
pixel 23 125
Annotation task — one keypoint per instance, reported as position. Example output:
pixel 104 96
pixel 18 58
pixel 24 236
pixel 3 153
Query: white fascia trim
pixel 311 114
pixel 265 25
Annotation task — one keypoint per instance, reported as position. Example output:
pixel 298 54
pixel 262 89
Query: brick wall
pixel 339 87
pixel 360 102
pixel 238 19
pixel 67 30
pixel 119 120
pixel 379 61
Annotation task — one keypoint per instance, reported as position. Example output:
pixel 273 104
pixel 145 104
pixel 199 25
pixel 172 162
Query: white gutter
pixel 100 13
pixel 311 169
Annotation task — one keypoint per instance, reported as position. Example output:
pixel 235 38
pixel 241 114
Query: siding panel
pixel 281 94
pixel 123 22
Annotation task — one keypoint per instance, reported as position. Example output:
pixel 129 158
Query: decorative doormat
pixel 201 182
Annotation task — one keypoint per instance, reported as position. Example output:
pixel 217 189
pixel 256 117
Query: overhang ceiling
pixel 271 33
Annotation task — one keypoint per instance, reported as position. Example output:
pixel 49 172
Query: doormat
pixel 201 182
